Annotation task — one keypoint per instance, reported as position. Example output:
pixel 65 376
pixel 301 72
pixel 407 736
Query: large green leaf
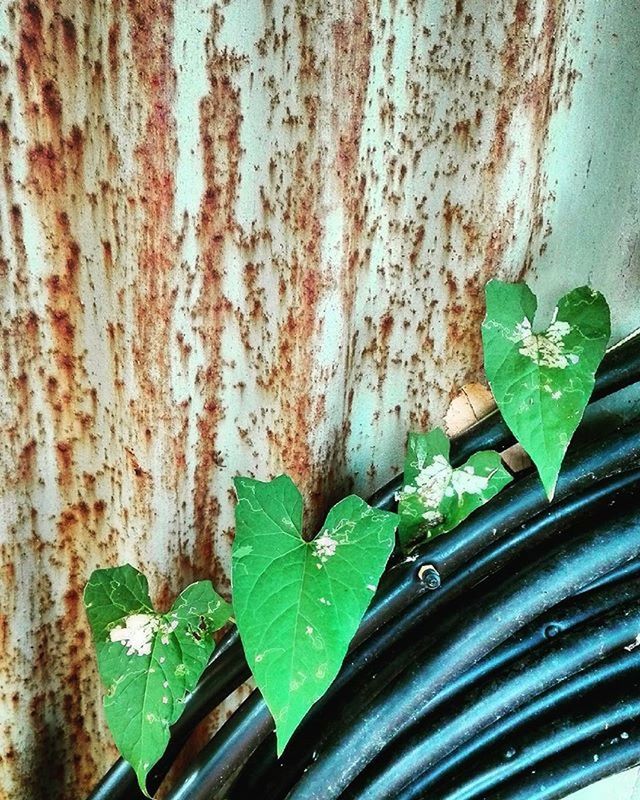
pixel 435 497
pixel 542 381
pixel 149 662
pixel 298 604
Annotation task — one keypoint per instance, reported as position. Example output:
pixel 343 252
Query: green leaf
pixel 436 497
pixel 148 661
pixel 542 381
pixel 298 604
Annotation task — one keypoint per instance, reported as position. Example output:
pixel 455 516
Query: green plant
pixel 542 381
pixel 148 661
pixel 298 602
pixel 436 497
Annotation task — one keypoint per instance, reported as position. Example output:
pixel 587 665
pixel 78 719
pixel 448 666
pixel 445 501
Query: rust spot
pixel 462 131
pixel 69 36
pixel 52 102
pixel 64 457
pixel 26 462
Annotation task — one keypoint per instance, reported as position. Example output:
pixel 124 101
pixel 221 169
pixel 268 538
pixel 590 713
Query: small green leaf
pixel 298 604
pixel 436 497
pixel 149 662
pixel 542 381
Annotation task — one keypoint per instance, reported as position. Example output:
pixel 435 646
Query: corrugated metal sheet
pixel 252 236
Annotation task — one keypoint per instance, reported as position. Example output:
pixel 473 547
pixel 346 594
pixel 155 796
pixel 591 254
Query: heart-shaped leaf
pixel 542 381
pixel 435 497
pixel 149 662
pixel 297 603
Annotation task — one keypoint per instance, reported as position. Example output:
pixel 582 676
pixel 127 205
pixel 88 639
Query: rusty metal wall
pixel 252 236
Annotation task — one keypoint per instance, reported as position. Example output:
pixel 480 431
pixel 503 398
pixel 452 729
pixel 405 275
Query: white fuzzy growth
pixel 136 634
pixel 324 547
pixel 432 517
pixel 465 481
pixel 545 349
pixel 439 480
pixel 432 481
pixel 167 629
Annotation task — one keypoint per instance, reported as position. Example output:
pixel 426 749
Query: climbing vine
pixel 297 601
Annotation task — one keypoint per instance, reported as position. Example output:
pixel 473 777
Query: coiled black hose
pixel 263 773
pixel 508 689
pixel 580 766
pixel 565 570
pixel 458 772
pixel 608 708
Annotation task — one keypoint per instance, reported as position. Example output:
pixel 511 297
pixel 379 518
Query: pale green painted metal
pixel 284 215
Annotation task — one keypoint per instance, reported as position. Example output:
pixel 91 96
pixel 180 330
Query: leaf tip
pixel 549 486
pixel 142 775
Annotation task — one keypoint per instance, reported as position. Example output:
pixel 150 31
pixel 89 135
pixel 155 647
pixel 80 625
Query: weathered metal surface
pixel 251 237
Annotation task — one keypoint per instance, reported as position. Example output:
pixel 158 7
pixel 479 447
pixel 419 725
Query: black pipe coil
pixel 507 690
pixel 565 570
pixel 606 708
pixel 263 772
pixel 458 769
pixel 573 769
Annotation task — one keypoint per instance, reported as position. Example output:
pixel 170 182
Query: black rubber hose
pixel 561 728
pixel 580 766
pixel 263 772
pixel 583 468
pixel 277 781
pixel 620 368
pixel 457 769
pixel 565 570
pixel 504 693
pixel 629 570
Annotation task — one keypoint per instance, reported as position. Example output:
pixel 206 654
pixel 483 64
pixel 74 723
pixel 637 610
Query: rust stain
pixel 220 120
pixel 353 43
pixel 151 24
pixel 290 380
pixel 55 158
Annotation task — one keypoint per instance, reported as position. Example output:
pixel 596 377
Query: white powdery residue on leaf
pixel 432 517
pixel 324 547
pixel 545 349
pixel 166 629
pixel 465 481
pixel 431 485
pixel 433 479
pixel 136 634
pixel 549 389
